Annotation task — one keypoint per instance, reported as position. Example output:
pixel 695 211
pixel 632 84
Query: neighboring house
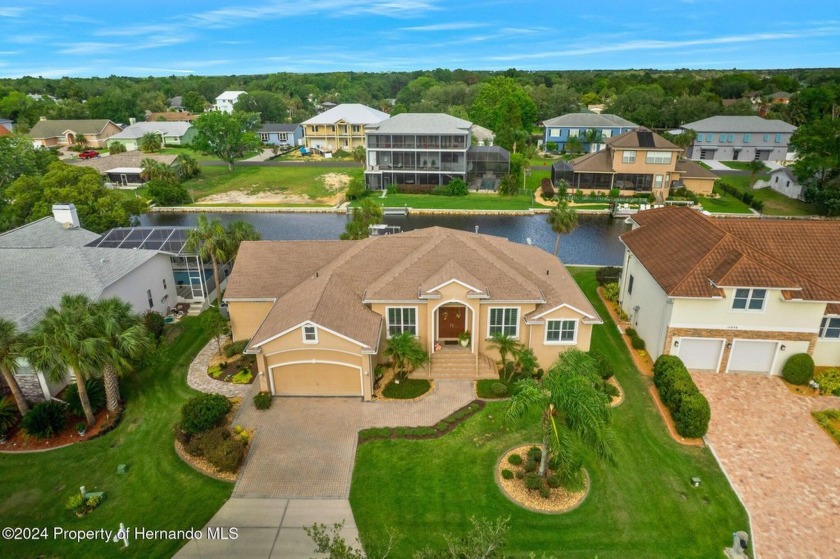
pixel 225 101
pixel 482 136
pixel 122 170
pixel 575 125
pixel 171 134
pixel 638 162
pixel 782 180
pixel 7 124
pixel 341 127
pixel 429 149
pixel 320 327
pixel 176 104
pixel 171 116
pixel 61 133
pixel 289 135
pixel 47 259
pixel 739 138
pixel 733 295
pixel 780 98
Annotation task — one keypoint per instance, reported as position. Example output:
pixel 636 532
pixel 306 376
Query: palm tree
pixel 359 155
pixel 505 345
pixel 210 241
pixel 592 137
pixel 64 341
pixel 239 231
pixel 754 167
pixel 406 352
pixel 562 219
pixel 123 339
pixel 11 349
pixel 150 141
pixel 187 166
pixel 574 413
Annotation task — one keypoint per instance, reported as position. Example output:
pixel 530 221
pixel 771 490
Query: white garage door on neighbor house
pixel 700 354
pixel 752 356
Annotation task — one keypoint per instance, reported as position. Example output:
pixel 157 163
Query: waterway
pixel 594 242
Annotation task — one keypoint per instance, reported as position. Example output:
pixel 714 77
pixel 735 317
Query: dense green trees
pixel 270 106
pixel 226 136
pixel 818 166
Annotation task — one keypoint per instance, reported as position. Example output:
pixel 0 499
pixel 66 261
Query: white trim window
pixel 563 331
pixel 830 328
pixel 749 299
pixel 503 320
pixel 401 319
pixel 658 157
pixel 574 132
pixel 310 334
pixel 628 157
pixel 265 136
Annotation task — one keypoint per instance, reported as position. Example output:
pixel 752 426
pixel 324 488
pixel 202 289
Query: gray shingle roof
pixel 421 123
pixel 137 130
pixel 589 120
pixel 128 159
pixel 354 113
pixel 753 124
pixel 45 233
pixel 54 128
pixel 278 127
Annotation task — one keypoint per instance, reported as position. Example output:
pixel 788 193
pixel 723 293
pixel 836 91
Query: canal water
pixel 594 241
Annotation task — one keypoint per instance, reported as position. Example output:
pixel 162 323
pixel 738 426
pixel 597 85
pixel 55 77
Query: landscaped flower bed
pixel 233 366
pixel 517 475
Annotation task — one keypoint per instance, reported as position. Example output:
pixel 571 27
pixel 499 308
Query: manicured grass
pixel 532 182
pixel 830 421
pixel 704 165
pixel 775 203
pixel 303 181
pixel 744 166
pixel 198 156
pixel 642 506
pixel 725 203
pixel 159 491
pixel 590 206
pixel 471 201
pixel 407 389
pixel 484 388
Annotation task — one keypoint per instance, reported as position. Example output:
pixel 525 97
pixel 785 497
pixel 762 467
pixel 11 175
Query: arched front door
pixel 452 320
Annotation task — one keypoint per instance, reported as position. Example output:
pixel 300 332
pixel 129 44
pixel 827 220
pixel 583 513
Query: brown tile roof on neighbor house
pixel 692 255
pixel 172 116
pixel 641 138
pixel 690 169
pixel 331 283
pixel 129 159
pixel 44 129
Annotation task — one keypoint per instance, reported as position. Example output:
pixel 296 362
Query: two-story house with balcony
pixel 577 125
pixel 733 295
pixel 225 101
pixel 638 162
pixel 740 138
pixel 428 150
pixel 340 128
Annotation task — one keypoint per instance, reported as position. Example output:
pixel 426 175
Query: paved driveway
pixel 783 465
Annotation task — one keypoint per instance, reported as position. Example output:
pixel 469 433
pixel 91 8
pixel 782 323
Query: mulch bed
pixel 233 366
pixel 201 464
pixel 19 441
pixel 560 500
pixel 614 402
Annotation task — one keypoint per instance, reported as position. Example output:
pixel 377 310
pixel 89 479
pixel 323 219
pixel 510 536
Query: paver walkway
pixel 785 468
pixel 198 378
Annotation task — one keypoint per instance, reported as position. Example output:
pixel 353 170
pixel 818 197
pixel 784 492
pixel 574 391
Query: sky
pixel 53 38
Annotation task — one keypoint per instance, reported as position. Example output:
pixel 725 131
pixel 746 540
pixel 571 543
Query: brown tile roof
pixel 692 170
pixel 327 282
pixel 172 116
pixel 4 131
pixel 598 162
pixel 704 254
pixel 631 140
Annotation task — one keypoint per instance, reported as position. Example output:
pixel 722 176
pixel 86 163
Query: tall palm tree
pixel 754 167
pixel 64 341
pixel 505 345
pixel 123 339
pixel 11 349
pixel 210 241
pixel 574 413
pixel 562 219
pixel 239 231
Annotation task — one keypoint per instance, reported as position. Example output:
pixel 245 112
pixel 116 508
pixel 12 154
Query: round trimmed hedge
pixel 203 412
pixel 798 369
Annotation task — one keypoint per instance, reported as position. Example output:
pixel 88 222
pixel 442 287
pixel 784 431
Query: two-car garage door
pixel 745 356
pixel 316 379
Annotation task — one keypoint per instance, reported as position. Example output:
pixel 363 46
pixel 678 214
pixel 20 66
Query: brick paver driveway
pixel 306 447
pixel 782 464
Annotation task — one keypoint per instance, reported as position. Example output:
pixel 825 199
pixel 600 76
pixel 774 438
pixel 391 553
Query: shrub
pixel 515 460
pixel 535 453
pixel 74 501
pixel 165 193
pixel 519 474
pixel 215 371
pixel 611 390
pixel 665 363
pixel 193 444
pixel 692 417
pixel 607 274
pixel 222 450
pixel 457 187
pixel 533 481
pixel 798 369
pixel 116 147
pixel 96 397
pixel 441 426
pixel 155 324
pixel 262 400
pixel 203 412
pixel 547 188
pixel 611 291
pixel 235 348
pixel 499 388
pixel 375 433
pixel 605 368
pixel 829 381
pixel 182 436
pixel 630 332
pixel 637 343
pixel 554 481
pixel 242 377
pixel 757 204
pixel 530 465
pixel 45 419
pixel 545 492
pixel 507 474
pixel 8 414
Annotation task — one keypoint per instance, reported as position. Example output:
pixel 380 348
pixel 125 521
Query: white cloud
pixel 454 26
pixel 91 47
pixel 12 12
pixel 46 72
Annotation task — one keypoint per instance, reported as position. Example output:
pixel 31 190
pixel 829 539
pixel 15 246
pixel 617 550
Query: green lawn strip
pixel 643 506
pixel 407 389
pixel 830 421
pixel 775 203
pixel 724 203
pixel 535 178
pixel 198 156
pixel 159 491
pixel 484 388
pixel 303 181
pixel 743 166
pixel 590 206
pixel 471 201
pixel 261 205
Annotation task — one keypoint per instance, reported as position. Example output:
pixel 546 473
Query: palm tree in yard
pixel 754 167
pixel 64 342
pixel 239 231
pixel 11 349
pixel 562 219
pixel 211 242
pixel 123 338
pixel 505 345
pixel 406 353
pixel 575 413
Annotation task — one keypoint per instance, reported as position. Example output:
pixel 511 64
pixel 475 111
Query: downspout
pixel 663 332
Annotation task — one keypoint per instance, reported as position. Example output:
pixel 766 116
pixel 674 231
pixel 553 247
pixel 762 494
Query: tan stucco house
pixel 60 133
pixel 319 313
pixel 733 295
pixel 340 128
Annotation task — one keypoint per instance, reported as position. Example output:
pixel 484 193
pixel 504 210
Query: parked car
pixel 88 154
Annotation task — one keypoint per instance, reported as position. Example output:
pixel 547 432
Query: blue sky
pixel 53 38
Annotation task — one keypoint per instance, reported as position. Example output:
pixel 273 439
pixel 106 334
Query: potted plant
pixel 464 338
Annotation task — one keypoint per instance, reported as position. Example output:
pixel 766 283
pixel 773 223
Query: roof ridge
pixel 431 243
pixel 701 260
pixel 496 261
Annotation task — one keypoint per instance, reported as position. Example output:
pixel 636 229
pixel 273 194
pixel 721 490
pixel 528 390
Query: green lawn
pixel 744 166
pixel 534 179
pixel 471 201
pixel 303 181
pixel 159 491
pixel 198 156
pixel 724 203
pixel 643 506
pixel 407 389
pixel 775 203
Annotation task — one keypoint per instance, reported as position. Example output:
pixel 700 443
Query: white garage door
pixel 751 356
pixel 700 354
